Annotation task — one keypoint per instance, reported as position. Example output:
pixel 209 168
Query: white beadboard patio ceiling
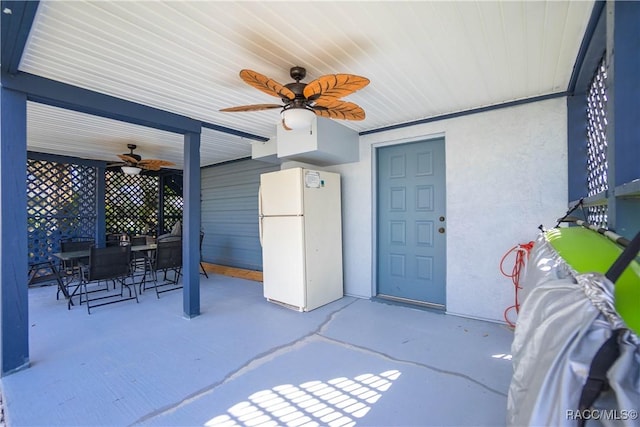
pixel 424 59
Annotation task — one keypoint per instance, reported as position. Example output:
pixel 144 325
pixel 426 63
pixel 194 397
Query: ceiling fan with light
pixel 133 163
pixel 302 101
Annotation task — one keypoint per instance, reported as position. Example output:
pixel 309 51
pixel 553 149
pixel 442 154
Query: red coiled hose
pixel 521 255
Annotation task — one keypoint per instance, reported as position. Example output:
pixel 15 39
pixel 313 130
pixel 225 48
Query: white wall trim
pixel 421 137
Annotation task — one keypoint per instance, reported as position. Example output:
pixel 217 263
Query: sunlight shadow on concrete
pixel 336 403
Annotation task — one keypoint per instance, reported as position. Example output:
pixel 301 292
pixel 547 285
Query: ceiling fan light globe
pixel 131 170
pixel 298 118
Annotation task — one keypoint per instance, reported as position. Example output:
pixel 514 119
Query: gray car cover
pixel 564 319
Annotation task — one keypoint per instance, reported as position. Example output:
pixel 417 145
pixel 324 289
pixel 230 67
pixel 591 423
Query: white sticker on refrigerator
pixel 312 179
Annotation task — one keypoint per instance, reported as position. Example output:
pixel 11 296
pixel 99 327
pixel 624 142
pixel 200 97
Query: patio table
pixel 75 255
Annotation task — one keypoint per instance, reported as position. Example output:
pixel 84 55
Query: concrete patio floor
pixel 245 361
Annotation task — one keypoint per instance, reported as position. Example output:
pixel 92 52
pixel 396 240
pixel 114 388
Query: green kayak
pixel 587 251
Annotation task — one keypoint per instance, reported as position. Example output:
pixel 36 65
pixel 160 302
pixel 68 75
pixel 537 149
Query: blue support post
pixel 592 49
pixel 577 146
pixel 191 225
pixel 624 69
pixel 16 21
pixel 623 113
pixel 14 310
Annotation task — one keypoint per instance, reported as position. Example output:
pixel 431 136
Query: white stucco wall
pixel 506 175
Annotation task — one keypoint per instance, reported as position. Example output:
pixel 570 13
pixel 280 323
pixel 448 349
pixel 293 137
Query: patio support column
pixel 14 310
pixel 623 115
pixel 191 226
pixel 577 146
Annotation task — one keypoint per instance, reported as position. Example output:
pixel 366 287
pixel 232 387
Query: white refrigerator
pixel 301 236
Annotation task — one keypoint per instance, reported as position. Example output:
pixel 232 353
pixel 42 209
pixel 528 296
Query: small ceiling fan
pixel 302 100
pixel 132 163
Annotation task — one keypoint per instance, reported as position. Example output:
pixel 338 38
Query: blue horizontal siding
pixel 230 213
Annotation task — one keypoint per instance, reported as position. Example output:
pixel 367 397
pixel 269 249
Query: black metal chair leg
pixel 203 271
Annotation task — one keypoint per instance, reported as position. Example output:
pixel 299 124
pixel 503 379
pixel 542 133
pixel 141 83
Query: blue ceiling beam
pixel 17 19
pixel 69 97
pixel 234 132
pixel 57 158
pixel 465 113
pixel 591 50
pixel 58 94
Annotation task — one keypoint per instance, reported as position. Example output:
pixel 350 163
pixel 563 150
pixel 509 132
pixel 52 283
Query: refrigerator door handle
pixel 260 214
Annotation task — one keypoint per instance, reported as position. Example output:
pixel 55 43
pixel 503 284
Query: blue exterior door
pixel 411 222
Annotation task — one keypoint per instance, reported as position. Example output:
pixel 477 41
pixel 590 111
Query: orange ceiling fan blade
pixel 266 85
pixel 256 107
pixel 337 109
pixel 128 159
pixel 154 164
pixel 132 159
pixel 334 86
pixel 150 167
pixel 322 95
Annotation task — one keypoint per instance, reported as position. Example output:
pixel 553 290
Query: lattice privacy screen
pixel 131 203
pixel 61 202
pixel 173 208
pixel 597 143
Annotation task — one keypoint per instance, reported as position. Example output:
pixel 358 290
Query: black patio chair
pixel 167 259
pixel 140 260
pixel 111 263
pixel 69 270
pixel 113 239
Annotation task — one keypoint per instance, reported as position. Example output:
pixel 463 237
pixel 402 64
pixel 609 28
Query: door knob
pixel 441 230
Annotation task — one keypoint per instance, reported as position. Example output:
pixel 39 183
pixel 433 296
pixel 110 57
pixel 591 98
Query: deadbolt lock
pixel 441 218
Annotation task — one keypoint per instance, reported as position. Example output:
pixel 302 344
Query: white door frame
pixel 374 195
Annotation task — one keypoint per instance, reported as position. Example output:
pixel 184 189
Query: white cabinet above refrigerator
pixel 326 142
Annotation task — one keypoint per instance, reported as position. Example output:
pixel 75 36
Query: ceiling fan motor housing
pixel 297 73
pixel 132 154
pixel 298 89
